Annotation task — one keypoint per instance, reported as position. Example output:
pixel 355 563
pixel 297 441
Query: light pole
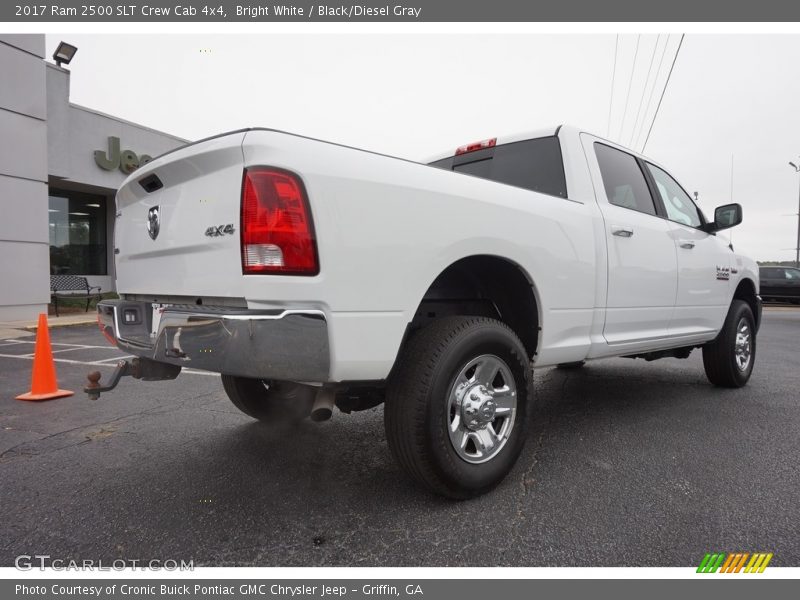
pixel 797 248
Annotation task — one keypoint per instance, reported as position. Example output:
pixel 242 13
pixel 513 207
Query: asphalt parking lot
pixel 627 463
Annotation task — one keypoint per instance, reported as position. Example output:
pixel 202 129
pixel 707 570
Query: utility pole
pixel 797 247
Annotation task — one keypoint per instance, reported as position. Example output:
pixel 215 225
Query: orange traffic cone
pixel 43 382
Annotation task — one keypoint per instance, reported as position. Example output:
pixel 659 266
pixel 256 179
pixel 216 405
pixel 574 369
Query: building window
pixel 77 233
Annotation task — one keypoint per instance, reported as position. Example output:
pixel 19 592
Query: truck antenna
pixel 730 239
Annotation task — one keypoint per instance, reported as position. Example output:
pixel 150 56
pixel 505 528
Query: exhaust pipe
pixel 323 405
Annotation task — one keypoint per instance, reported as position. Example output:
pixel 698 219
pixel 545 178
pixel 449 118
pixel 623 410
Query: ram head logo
pixel 153 222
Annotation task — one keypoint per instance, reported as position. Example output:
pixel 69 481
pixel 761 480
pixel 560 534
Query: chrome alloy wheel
pixel 743 346
pixel 482 405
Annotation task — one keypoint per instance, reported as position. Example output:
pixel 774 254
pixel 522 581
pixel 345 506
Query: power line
pixel 630 83
pixel 663 92
pixel 644 88
pixel 613 77
pixel 653 89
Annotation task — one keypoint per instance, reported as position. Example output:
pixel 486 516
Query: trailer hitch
pixel 138 368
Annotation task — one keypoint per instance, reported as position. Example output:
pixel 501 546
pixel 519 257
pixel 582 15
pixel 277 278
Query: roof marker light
pixel 491 143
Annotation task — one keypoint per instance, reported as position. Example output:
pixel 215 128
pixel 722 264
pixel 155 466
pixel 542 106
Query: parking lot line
pixel 102 363
pixel 75 349
pixel 63 360
pixel 76 346
pixel 117 358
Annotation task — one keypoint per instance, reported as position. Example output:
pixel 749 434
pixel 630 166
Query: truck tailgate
pixel 177 226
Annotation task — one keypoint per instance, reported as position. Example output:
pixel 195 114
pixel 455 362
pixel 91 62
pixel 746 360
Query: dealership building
pixel 60 166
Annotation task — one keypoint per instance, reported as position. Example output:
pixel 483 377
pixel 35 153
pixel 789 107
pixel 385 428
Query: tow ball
pixel 138 368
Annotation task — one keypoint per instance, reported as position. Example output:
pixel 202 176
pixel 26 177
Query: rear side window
pixel 535 165
pixel 623 180
pixel 772 273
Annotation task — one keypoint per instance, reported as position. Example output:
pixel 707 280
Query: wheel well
pixel 487 286
pixel 746 290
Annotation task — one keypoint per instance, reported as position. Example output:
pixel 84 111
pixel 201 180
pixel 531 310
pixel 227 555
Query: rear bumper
pixel 288 345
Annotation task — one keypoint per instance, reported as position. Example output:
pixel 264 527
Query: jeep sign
pixel 126 161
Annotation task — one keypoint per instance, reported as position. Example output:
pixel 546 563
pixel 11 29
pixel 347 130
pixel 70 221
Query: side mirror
pixel 725 217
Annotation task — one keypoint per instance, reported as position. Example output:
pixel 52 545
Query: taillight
pixel 476 146
pixel 277 231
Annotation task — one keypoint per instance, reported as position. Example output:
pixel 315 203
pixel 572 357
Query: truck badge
pixel 153 222
pixel 723 273
pixel 220 230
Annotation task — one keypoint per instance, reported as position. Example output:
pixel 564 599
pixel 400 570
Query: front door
pixel 704 262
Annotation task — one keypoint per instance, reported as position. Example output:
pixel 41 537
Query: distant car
pixel 780 283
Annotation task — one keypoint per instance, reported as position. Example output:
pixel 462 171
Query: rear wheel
pixel 456 406
pixel 729 359
pixel 274 401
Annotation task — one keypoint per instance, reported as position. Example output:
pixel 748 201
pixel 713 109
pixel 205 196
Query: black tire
pixel 418 409
pixel 722 363
pixel 269 401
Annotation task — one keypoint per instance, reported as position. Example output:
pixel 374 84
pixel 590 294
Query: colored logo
pixel 735 562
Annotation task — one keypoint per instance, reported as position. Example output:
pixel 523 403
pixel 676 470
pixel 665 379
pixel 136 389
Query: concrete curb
pixel 7 333
pixel 58 325
pixel 54 322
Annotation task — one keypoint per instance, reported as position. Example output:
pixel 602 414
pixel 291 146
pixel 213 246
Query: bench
pixel 72 286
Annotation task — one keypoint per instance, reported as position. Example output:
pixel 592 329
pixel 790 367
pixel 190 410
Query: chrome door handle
pixel 687 245
pixel 621 231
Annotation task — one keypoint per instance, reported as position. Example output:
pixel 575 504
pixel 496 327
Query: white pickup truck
pixel 313 275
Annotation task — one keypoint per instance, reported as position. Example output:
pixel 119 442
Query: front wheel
pixel 456 406
pixel 729 359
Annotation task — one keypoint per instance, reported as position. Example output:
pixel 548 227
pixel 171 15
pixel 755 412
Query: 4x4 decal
pixel 220 230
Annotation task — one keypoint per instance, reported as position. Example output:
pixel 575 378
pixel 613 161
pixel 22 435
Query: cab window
pixel 623 180
pixel 535 165
pixel 677 203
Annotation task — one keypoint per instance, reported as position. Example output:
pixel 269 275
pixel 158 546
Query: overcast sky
pixel 416 95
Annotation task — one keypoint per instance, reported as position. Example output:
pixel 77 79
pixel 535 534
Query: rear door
pixel 704 260
pixel 642 264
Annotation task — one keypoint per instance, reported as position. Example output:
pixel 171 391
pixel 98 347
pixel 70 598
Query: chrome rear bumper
pixel 287 345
